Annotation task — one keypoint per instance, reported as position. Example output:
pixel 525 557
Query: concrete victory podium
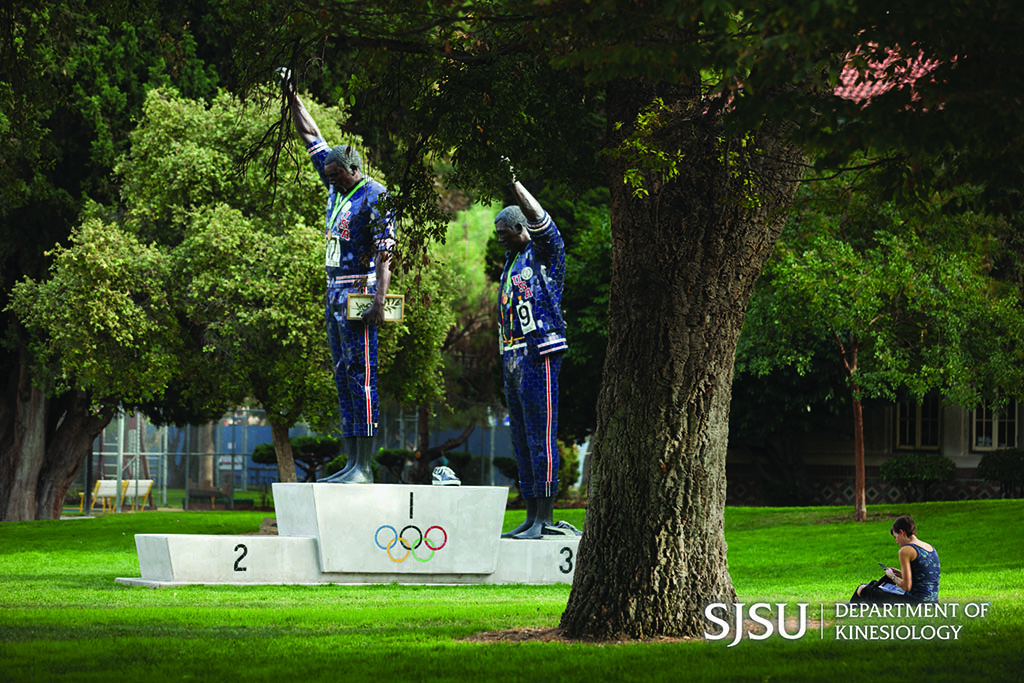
pixel 359 534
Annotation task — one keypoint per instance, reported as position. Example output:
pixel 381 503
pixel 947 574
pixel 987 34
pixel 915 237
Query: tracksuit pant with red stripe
pixel 531 392
pixel 354 353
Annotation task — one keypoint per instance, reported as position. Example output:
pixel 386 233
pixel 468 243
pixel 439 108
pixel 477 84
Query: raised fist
pixel 511 171
pixel 284 76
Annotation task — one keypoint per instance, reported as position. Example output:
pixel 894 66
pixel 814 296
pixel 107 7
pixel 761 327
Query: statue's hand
pixel 375 315
pixel 511 171
pixel 284 76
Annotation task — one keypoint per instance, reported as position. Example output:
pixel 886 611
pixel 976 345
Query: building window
pixel 917 424
pixel 992 429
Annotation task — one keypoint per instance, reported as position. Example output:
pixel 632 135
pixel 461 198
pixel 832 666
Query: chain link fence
pixel 211 467
pixel 190 467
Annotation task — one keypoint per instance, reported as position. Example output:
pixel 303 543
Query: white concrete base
pixel 360 534
pixel 227 559
pixel 180 560
pixel 396 529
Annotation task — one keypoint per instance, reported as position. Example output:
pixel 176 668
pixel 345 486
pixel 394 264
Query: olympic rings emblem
pixel 399 539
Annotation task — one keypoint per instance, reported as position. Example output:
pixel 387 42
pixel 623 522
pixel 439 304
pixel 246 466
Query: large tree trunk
pixel 25 450
pixel 43 442
pixel 73 425
pixel 283 451
pixel 684 261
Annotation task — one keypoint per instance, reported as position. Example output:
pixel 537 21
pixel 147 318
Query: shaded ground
pixel 554 635
pixel 871 517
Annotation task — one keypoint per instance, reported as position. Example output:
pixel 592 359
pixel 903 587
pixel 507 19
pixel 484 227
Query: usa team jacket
pixel 354 229
pixel 530 296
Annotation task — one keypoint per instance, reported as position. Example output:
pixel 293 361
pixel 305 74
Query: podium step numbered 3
pixel 363 534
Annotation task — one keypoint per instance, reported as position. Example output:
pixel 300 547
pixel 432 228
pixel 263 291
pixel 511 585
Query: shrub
pixel 335 465
pixel 338 463
pixel 508 467
pixel 393 456
pixel 309 453
pixel 914 473
pixel 392 463
pixel 467 467
pixel 264 454
pixel 568 468
pixel 307 448
pixel 1005 467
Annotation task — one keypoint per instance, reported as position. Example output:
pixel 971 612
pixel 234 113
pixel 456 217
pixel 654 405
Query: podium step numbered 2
pixel 364 534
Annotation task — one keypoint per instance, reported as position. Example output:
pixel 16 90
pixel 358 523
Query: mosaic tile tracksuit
pixel 532 339
pixel 355 231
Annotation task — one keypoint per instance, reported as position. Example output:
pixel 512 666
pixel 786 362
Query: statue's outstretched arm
pixel 305 126
pixel 531 207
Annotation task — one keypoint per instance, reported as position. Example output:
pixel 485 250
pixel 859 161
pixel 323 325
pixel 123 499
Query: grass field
pixel 62 616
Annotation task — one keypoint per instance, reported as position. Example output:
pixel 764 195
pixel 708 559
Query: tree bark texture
pixel 206 435
pixel 860 508
pixel 43 443
pixel 684 261
pixel 422 428
pixel 283 452
pixel 73 425
pixel 850 353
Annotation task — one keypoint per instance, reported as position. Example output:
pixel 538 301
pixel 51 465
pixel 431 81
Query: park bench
pixel 105 490
pixel 136 491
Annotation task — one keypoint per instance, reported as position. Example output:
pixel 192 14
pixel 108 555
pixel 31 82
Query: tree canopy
pixel 73 76
pixel 706 111
pixel 209 284
pixel 912 288
pixel 904 296
pixel 509 66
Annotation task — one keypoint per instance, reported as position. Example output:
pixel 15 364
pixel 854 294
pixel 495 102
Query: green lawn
pixel 62 616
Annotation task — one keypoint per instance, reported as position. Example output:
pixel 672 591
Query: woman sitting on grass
pixel 917 579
